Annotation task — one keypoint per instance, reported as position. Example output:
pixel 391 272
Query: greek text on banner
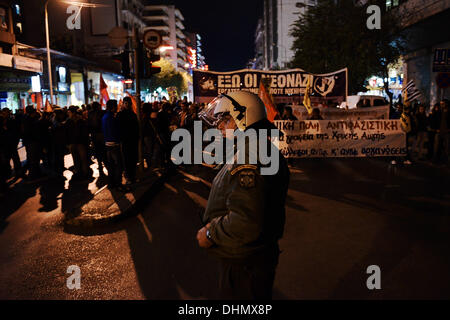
pixel 285 86
pixel 337 138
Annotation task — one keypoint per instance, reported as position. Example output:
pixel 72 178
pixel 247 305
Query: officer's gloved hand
pixel 203 241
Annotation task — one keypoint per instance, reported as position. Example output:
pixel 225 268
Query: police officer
pixel 245 215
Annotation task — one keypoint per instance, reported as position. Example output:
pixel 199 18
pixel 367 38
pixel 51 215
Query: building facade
pixel 19 74
pixel 273 42
pixel 194 47
pixel 168 20
pixel 81 49
pixel 427 59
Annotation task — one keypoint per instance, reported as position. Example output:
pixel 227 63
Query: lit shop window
pixel 3 19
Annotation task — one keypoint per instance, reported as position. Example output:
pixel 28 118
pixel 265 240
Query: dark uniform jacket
pixel 246 209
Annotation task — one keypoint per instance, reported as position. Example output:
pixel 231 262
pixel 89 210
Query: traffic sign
pixel 152 39
pixel 118 37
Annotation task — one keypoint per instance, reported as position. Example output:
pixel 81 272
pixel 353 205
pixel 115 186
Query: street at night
pixel 224 160
pixel 342 216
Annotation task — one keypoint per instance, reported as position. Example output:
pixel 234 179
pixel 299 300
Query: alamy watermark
pixel 374 281
pixel 74 20
pixel 249 147
pixel 374 20
pixel 74 281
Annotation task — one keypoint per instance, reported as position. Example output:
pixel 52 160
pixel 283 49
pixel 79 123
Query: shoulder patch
pixel 244 167
pixel 247 178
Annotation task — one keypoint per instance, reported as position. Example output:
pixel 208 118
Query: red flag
pixel 103 91
pixel 270 107
pixel 134 106
pixel 48 106
pixel 39 101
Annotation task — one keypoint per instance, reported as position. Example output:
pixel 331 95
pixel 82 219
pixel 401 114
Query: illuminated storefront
pixel 77 88
pixel 114 82
pixel 19 78
pixel 375 84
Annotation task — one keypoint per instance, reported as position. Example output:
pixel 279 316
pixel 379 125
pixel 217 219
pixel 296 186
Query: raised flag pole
pixel 405 119
pixel 137 75
pixel 268 101
pixel 306 97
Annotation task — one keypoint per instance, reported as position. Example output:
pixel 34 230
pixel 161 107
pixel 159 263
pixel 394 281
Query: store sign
pixel 63 87
pixel 11 82
pixel 341 139
pixel 36 83
pixel 6 60
pixel 28 64
pixel 285 86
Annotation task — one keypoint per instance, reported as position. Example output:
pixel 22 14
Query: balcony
pixel 412 11
pixel 156 18
pixel 180 34
pixel 160 8
pixel 131 16
pixel 179 15
pixel 180 25
pixel 164 29
pixel 157 23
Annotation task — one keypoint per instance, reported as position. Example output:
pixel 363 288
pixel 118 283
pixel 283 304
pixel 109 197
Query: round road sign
pixel 152 39
pixel 118 37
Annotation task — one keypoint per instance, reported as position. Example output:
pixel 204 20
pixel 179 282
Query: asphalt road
pixel 342 216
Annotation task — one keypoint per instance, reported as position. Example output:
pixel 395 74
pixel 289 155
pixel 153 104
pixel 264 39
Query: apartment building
pixel 427 58
pixel 273 42
pixel 168 20
pixel 196 56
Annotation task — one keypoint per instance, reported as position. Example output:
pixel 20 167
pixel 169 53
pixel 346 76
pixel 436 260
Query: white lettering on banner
pixel 340 138
pixel 377 113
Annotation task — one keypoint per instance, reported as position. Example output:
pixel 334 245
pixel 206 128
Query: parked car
pixel 354 102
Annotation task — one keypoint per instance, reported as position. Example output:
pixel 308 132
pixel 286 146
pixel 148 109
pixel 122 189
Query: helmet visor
pixel 214 112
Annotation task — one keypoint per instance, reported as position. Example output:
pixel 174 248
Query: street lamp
pixel 47 35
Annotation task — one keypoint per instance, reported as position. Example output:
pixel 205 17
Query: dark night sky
pixel 227 29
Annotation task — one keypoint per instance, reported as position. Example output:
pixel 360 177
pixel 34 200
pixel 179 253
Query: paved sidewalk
pixel 108 206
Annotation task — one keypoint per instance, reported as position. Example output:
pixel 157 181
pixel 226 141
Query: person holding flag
pixel 48 107
pixel 406 124
pixel 104 96
pixel 268 102
pixel 307 98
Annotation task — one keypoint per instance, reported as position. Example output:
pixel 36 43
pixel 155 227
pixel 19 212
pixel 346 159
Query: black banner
pixel 287 86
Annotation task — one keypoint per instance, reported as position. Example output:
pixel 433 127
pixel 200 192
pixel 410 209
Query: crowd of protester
pixel 428 138
pixel 110 136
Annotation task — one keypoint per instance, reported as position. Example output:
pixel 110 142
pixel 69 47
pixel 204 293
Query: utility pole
pixel 137 74
pixel 49 60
